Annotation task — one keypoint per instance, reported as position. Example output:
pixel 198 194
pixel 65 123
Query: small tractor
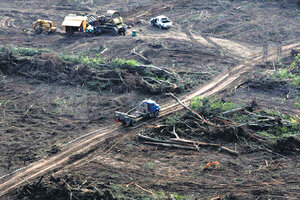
pixel 161 21
pixel 148 108
pixel 43 26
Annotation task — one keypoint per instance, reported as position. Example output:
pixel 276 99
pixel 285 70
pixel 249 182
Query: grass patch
pixel 286 74
pixel 213 103
pixel 296 62
pixel 23 50
pixel 119 62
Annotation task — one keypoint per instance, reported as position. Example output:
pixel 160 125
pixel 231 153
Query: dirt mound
pixel 118 76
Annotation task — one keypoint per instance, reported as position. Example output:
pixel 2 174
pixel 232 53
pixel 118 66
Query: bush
pixel 119 61
pixel 24 50
pixel 296 62
pixel 196 102
pixel 212 104
pixel 285 74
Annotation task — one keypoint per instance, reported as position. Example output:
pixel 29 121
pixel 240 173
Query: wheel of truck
pixel 133 122
pixel 156 113
pixel 126 121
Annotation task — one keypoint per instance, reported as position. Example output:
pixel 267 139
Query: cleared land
pixel 55 89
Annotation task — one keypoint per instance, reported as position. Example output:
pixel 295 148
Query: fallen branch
pixel 141 56
pixel 133 183
pixel 172 146
pixel 157 126
pixel 233 110
pixel 192 111
pixel 103 51
pixel 184 144
pixel 154 67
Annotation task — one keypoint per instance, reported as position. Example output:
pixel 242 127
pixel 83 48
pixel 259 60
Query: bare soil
pixel 223 38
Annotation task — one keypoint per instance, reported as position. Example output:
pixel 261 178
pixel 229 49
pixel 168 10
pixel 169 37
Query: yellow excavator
pixel 43 26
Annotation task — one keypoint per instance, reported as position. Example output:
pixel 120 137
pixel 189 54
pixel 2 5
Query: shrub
pixel 196 102
pixel 119 61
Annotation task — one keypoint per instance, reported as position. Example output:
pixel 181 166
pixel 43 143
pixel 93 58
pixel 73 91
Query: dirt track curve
pixel 224 80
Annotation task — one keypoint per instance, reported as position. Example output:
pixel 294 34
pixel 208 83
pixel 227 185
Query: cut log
pixel 172 146
pixel 184 144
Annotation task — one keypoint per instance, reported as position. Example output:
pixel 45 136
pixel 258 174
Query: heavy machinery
pixel 161 21
pixel 73 23
pixel 43 26
pixel 112 22
pixel 148 108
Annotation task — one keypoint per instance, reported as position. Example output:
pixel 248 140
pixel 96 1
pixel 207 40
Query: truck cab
pixel 162 22
pixel 150 107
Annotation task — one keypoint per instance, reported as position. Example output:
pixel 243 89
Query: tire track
pixel 8 23
pixel 43 166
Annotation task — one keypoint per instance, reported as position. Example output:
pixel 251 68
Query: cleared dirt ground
pixel 38 118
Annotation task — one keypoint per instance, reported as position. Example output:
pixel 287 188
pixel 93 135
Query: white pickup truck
pixel 162 22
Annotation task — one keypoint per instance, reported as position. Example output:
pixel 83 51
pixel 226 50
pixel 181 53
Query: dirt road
pixel 224 80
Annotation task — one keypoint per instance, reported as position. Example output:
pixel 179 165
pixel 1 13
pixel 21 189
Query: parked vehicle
pixel 43 26
pixel 162 22
pixel 112 22
pixel 148 108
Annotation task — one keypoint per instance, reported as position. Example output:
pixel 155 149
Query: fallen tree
pixel 224 122
pixel 94 73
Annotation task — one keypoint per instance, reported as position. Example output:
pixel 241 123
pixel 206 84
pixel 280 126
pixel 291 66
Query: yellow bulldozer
pixel 43 26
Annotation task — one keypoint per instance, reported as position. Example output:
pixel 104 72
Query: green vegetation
pixel 285 74
pixel 196 102
pixel 119 61
pixel 169 196
pixel 23 50
pixel 213 103
pixel 216 107
pixel 293 129
pixel 296 62
pixel 172 120
pixel 69 58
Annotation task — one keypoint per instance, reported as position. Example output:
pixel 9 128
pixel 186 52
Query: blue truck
pixel 147 108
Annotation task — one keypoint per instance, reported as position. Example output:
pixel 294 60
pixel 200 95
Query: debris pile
pixel 226 123
pixel 63 188
pixel 117 76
